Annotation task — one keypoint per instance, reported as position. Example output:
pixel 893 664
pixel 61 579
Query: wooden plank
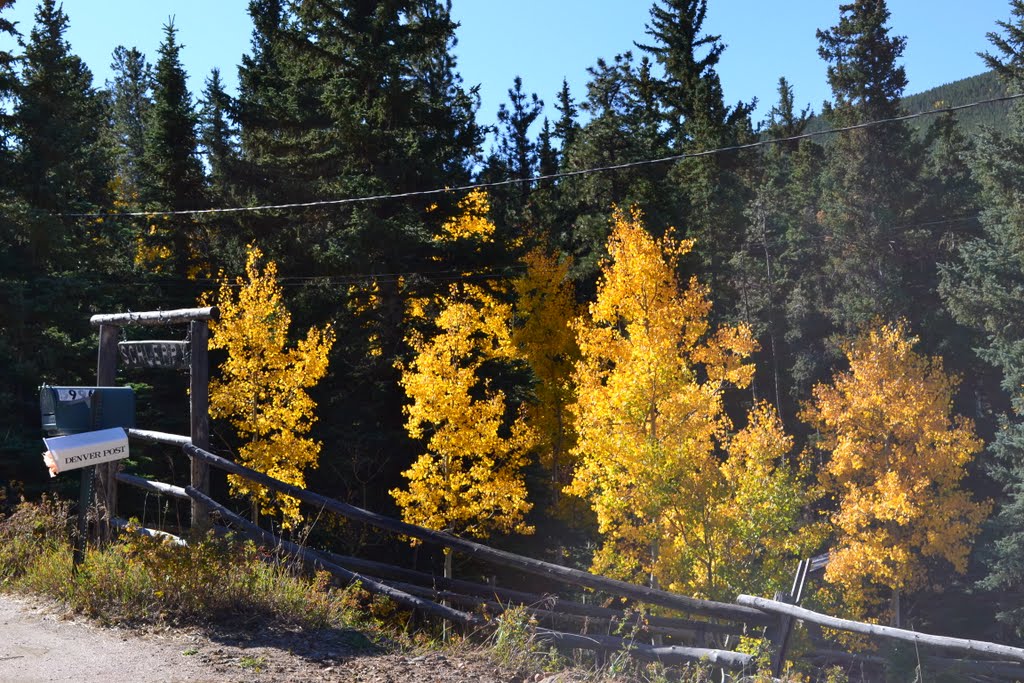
pixel 199 412
pixel 537 567
pixel 161 354
pixel 318 560
pixel 156 318
pixel 977 647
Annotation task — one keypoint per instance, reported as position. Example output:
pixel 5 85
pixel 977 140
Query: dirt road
pixel 39 645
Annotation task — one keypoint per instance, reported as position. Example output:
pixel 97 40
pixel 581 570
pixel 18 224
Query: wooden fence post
pixel 199 407
pixel 106 484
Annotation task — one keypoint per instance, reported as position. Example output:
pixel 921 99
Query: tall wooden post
pixel 199 406
pixel 106 484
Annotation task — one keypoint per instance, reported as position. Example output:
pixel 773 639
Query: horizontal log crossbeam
pixel 977 647
pixel 156 318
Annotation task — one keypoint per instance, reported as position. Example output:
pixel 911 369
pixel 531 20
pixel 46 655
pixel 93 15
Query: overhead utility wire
pixel 550 176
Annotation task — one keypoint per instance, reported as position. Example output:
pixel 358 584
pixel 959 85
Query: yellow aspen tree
pixel 545 308
pixel 897 456
pixel 756 528
pixel 469 480
pixel 649 412
pixel 262 386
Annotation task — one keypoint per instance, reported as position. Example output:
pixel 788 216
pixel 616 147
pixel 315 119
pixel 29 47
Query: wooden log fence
pixel 669 654
pixel 975 647
pixel 470 592
pixel 121 523
pixel 620 622
pixel 548 601
pixel 157 487
pixel 321 562
pixel 528 565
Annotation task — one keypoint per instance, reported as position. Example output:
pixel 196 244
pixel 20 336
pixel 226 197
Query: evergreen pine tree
pixel 130 102
pixel 697 120
pixel 347 98
pixel 516 158
pixel 567 126
pixel 218 137
pixel 53 160
pixel 985 289
pixel 173 172
pixel 871 174
pixel 625 125
pixel 773 265
pixel 61 161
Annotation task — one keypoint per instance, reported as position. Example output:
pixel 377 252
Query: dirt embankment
pixel 38 644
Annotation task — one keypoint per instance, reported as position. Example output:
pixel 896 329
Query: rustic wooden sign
pixel 82 450
pixel 169 355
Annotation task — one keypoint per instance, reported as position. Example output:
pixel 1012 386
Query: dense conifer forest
pixel 691 373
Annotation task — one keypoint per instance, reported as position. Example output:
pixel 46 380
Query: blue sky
pixel 545 41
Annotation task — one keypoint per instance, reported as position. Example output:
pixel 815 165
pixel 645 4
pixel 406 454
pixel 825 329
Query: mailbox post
pixel 75 414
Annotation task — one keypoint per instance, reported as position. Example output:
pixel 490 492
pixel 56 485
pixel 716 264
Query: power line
pixel 550 176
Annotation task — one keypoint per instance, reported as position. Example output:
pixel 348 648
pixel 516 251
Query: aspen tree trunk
pixel 445 632
pixel 896 619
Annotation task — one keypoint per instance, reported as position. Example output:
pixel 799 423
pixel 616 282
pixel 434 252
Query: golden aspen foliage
pixel 152 246
pixel 469 480
pixel 263 382
pixel 472 222
pixel 649 412
pixel 545 308
pixel 896 460
pixel 756 528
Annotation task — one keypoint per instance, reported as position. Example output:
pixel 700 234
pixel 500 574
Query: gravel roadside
pixel 39 644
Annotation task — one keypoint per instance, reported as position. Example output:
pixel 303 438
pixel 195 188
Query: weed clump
pixel 140 579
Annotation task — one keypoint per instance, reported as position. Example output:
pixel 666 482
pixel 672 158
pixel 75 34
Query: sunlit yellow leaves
pixel 897 458
pixel 261 391
pixel 649 426
pixel 545 307
pixel 470 479
pixel 472 221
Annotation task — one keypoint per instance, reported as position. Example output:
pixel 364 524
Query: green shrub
pixel 33 531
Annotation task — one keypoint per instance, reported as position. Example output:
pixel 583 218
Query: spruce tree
pixel 773 265
pixel 985 289
pixel 61 161
pixel 130 102
pixel 625 126
pixel 173 172
pixel 347 99
pixel 54 161
pixel 567 126
pixel 871 174
pixel 516 158
pixel 218 137
pixel 712 190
